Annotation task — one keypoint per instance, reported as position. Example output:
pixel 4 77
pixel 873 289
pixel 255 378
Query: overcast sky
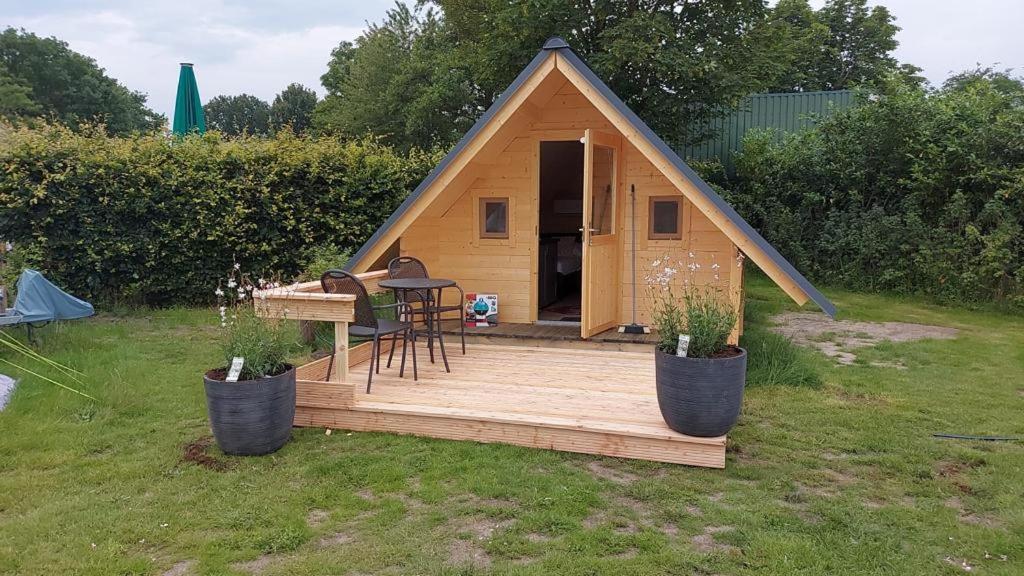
pixel 260 46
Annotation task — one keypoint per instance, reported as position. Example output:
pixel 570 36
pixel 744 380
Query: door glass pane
pixel 603 205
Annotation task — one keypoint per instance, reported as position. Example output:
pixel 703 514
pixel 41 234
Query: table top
pixel 416 283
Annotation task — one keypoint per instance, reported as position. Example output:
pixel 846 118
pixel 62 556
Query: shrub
pixel 320 259
pixel 14 261
pixel 154 220
pixel 909 192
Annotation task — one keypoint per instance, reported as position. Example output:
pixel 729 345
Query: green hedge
pixel 912 192
pixel 153 220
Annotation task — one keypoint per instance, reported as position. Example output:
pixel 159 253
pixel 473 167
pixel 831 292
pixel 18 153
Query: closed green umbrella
pixel 188 110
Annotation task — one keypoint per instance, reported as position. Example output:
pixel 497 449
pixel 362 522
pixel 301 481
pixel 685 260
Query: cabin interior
pixel 539 209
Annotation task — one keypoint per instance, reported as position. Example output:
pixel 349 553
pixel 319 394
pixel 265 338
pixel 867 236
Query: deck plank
pixel 591 401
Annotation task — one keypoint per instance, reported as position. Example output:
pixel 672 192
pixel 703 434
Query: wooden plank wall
pixel 450 246
pixel 713 253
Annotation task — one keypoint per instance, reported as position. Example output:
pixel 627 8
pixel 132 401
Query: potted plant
pixel 252 410
pixel 700 391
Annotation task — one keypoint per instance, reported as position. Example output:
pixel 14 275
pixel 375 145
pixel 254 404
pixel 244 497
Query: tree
pixel 237 115
pixel 15 97
pixel 421 78
pixel 400 81
pixel 1002 81
pixel 293 107
pixel 844 44
pixel 676 63
pixel 44 77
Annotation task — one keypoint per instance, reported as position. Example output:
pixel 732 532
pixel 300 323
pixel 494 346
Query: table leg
pixel 429 317
pixel 440 330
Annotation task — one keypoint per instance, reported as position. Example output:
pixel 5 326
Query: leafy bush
pixel 153 220
pixel 12 262
pixel 320 259
pixel 909 192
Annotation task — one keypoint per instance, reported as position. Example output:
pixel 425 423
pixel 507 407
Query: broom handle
pixel 632 195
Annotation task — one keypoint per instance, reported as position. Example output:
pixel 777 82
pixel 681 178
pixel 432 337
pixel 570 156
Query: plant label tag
pixel 683 345
pixel 236 369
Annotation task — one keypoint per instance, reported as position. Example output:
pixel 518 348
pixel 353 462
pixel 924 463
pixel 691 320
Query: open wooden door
pixel 601 243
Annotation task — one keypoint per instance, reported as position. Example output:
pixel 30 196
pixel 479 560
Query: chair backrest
pixel 341 282
pixel 409 267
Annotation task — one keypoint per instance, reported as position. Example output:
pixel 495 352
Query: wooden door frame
pixel 538 139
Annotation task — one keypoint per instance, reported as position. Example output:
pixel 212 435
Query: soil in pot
pixel 701 396
pixel 251 417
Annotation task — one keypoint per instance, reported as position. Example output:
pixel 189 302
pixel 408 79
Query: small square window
pixel 666 218
pixel 494 217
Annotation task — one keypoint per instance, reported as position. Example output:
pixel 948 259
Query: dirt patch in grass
pixel 705 542
pixel 183 568
pixel 336 539
pixel 257 566
pixel 837 338
pixel 468 553
pixel 968 517
pixel 480 528
pixel 197 452
pixel 600 470
pixel 316 517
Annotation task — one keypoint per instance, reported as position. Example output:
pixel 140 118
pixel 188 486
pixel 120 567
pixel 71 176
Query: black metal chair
pixel 366 324
pixel 409 267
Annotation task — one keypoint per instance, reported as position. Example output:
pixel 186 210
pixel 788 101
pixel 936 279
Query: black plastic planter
pixel 251 417
pixel 700 396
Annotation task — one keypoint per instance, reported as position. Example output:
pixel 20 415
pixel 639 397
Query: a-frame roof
pixel 556 54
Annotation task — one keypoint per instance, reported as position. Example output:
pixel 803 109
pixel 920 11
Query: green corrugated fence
pixel 785 112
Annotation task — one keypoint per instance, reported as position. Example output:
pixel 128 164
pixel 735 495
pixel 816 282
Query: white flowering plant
pixel 264 343
pixel 701 310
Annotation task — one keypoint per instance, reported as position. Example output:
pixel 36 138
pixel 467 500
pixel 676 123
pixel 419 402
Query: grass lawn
pixel 842 478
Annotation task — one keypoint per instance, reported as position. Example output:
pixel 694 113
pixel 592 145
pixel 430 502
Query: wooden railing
pixel 307 301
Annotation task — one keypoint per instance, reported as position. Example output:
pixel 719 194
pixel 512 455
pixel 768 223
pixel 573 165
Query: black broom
pixel 633 327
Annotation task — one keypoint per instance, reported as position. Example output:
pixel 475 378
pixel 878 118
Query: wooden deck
pixel 590 401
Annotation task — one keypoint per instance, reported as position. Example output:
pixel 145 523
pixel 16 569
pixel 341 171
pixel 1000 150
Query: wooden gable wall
pixel 447 239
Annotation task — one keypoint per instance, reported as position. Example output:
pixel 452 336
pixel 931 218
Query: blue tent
pixel 40 301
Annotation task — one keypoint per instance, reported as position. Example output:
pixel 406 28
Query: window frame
pixel 678 234
pixel 482 203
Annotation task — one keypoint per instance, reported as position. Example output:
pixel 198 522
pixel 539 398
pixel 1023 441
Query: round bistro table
pixel 403 286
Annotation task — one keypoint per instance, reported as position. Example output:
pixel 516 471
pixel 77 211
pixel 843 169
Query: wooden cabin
pixel 540 204
pixel 555 193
